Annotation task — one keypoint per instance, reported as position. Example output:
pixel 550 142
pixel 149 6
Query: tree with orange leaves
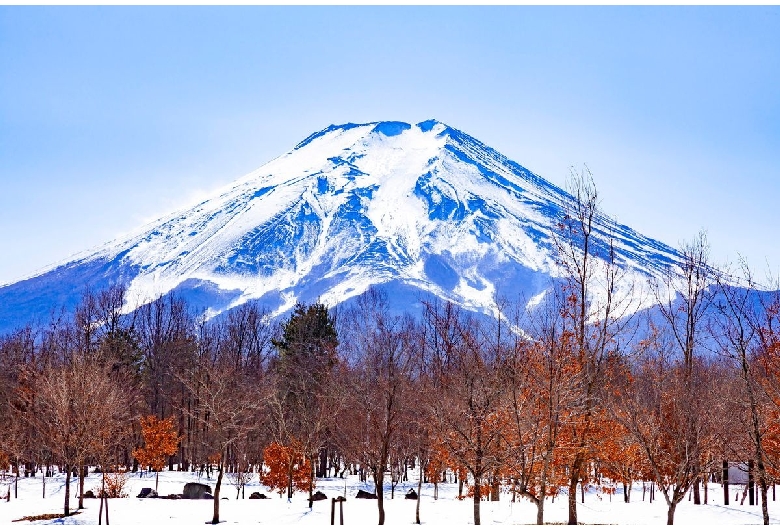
pixel 751 342
pixel 619 457
pixel 595 315
pixel 287 469
pixel 160 442
pixel 670 408
pixel 463 360
pixel 539 397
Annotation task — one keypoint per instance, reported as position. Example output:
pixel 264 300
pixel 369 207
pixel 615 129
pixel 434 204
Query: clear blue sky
pixel 113 116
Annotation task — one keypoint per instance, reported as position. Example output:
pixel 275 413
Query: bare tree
pixel 17 388
pixel 113 420
pixel 685 302
pixel 376 409
pixel 79 410
pixel 670 407
pixel 230 408
pixel 165 335
pixel 745 333
pixel 594 314
pixel 467 392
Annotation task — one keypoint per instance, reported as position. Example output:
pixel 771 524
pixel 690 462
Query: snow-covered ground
pixel 598 509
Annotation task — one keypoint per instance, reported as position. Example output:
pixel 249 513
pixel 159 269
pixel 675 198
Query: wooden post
pixel 333 502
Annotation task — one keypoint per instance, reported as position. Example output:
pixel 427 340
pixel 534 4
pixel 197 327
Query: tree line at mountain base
pixel 583 389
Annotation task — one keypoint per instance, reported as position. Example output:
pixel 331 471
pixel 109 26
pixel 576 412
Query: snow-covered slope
pixel 421 208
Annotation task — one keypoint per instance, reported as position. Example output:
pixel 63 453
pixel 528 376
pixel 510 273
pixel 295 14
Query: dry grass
pixel 44 517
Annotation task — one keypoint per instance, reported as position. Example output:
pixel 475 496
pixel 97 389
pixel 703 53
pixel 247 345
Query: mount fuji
pixel 422 210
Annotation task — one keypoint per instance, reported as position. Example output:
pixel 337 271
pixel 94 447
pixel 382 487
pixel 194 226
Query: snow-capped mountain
pixel 423 209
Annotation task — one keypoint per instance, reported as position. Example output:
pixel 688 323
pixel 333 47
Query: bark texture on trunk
pixel 311 481
pixel 573 499
pixel 215 519
pixel 82 472
pixel 670 514
pixel 419 494
pixel 67 490
pixel 539 511
pixel 477 499
pixel 379 486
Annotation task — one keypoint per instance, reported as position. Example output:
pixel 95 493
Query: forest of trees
pixel 582 390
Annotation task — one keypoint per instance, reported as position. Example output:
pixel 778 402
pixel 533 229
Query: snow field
pixel 598 509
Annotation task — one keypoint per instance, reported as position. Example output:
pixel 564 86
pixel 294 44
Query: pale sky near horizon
pixel 113 116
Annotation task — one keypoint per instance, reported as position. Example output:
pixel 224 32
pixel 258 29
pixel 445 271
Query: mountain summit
pixel 423 209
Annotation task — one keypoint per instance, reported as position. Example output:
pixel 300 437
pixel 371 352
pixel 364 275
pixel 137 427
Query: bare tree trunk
pixel 289 482
pixel 81 486
pixel 539 509
pixel 573 498
pixel 102 497
pixel 67 490
pixel 670 513
pixel 323 462
pixel 477 498
pixel 751 483
pixel 379 486
pixel 419 494
pixel 763 487
pixel 311 482
pixel 215 519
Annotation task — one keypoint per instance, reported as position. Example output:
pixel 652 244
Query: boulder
pixel 89 494
pixel 195 490
pixel 411 494
pixel 361 494
pixel 147 493
pixel 173 496
pixel 318 496
pixel 257 495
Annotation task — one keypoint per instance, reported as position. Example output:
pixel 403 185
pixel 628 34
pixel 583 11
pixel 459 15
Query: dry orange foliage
pixel 160 441
pixel 284 463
